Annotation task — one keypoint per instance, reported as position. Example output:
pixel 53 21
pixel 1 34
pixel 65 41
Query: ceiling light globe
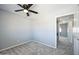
pixel 25 11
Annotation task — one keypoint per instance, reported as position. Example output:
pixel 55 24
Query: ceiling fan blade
pixel 20 5
pixel 28 6
pixel 33 11
pixel 19 10
pixel 27 14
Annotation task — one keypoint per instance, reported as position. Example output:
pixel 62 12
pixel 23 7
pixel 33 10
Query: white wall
pixel 44 24
pixel 13 29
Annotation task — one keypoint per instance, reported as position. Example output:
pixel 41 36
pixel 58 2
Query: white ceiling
pixel 38 8
pixel 12 7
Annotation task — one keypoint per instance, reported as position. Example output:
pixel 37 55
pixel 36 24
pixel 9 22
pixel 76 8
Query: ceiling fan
pixel 26 9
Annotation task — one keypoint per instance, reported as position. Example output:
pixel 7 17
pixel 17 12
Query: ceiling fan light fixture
pixel 25 10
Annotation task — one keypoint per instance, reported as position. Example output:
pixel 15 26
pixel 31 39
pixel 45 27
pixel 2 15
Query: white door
pixel 76 33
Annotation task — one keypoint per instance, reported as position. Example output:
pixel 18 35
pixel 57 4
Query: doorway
pixel 65 32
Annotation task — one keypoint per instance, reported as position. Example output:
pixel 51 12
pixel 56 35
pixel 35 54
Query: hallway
pixel 65 45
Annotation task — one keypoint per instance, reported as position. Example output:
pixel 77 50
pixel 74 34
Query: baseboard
pixel 25 43
pixel 15 45
pixel 45 44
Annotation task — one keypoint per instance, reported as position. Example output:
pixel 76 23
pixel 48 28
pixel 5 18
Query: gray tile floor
pixel 34 48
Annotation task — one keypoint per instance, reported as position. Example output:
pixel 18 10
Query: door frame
pixel 57 28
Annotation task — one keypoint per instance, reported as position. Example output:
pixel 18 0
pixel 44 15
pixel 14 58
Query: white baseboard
pixel 45 44
pixel 25 43
pixel 15 46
